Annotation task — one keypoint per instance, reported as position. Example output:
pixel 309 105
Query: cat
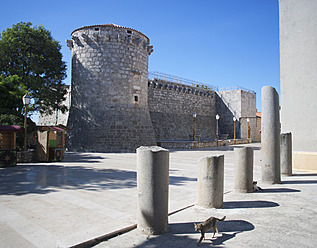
pixel 256 187
pixel 207 225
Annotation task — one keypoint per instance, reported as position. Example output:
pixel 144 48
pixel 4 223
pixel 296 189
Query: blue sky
pixel 219 42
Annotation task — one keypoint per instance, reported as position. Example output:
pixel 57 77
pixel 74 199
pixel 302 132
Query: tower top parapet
pixel 111 25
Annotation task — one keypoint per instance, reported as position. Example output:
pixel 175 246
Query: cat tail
pixel 222 218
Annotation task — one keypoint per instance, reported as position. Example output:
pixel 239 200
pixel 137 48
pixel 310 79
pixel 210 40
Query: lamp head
pixel 26 99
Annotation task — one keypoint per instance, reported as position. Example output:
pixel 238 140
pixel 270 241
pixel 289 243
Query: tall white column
pixel 270 136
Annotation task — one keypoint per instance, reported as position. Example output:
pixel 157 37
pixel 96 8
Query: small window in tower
pixel 129 31
pixel 136 98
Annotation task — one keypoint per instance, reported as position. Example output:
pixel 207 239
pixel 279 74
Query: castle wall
pixel 242 105
pixel 171 108
pixel 109 107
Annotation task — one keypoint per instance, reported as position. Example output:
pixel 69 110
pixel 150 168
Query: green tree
pixel 11 106
pixel 31 61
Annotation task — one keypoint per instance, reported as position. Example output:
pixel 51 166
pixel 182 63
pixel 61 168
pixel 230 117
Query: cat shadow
pixel 180 235
pixel 228 230
pixel 220 240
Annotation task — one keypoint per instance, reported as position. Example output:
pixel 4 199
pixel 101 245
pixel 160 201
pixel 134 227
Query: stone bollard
pixel 243 170
pixel 286 153
pixel 270 136
pixel 152 187
pixel 210 181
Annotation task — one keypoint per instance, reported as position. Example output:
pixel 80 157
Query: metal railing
pixel 175 79
pixel 180 80
pixel 236 88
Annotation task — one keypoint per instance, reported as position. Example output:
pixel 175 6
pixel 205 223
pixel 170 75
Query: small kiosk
pixel 8 152
pixel 50 144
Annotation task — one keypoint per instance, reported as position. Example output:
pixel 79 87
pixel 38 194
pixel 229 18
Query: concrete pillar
pixel 270 136
pixel 286 153
pixel 243 169
pixel 152 187
pixel 210 181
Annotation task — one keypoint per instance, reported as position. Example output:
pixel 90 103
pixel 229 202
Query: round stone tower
pixel 109 93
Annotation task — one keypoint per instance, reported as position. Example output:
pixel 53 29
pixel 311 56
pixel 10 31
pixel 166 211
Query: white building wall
pixel 298 62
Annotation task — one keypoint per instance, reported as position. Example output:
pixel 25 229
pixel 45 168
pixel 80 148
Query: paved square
pixel 91 194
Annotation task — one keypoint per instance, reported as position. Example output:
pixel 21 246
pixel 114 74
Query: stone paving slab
pixel 280 216
pixel 91 194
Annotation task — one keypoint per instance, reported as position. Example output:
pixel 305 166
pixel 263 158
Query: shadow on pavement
pixel 82 157
pixel 304 174
pixel 278 190
pixel 300 182
pixel 42 179
pixel 176 237
pixel 249 204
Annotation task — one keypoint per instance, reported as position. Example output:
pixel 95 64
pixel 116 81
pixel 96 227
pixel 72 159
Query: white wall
pixel 298 61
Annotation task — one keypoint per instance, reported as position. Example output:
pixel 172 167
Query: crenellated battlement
pixel 165 85
pixel 109 33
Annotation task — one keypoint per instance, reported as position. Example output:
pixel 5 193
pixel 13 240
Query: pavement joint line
pixel 105 237
pixel 229 191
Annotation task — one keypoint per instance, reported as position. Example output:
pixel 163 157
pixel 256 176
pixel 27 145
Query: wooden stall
pixel 50 144
pixel 8 153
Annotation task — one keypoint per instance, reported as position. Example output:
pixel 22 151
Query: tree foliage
pixel 31 62
pixel 11 106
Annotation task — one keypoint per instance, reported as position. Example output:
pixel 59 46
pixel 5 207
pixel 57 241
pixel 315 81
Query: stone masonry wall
pixel 171 108
pixel 109 106
pixel 242 105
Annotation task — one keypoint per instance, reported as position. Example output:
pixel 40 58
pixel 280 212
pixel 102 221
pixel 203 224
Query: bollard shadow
pixel 278 190
pixel 249 204
pixel 300 182
pixel 184 235
pixel 304 174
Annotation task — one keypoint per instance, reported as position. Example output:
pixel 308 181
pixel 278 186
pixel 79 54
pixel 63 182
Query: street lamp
pixel 194 116
pixel 234 128
pixel 26 101
pixel 217 133
pixel 248 120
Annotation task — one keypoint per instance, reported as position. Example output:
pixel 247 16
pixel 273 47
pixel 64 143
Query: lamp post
pixel 234 129
pixel 26 101
pixel 248 134
pixel 217 133
pixel 194 116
